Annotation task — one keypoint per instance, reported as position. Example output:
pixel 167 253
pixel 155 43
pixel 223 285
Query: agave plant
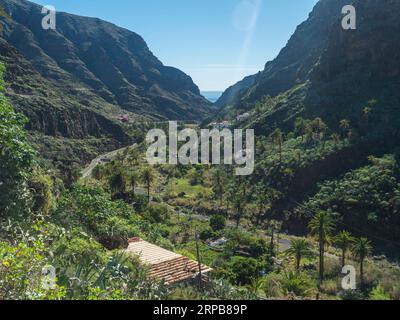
pixel 294 283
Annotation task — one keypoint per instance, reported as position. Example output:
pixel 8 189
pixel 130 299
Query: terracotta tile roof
pixel 164 265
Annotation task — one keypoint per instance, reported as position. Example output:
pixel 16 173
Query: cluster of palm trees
pixel 322 226
pixel 312 130
pixel 239 194
pixel 120 178
pixel 232 191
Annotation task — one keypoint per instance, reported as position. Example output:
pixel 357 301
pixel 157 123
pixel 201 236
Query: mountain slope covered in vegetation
pixel 87 85
pixel 99 59
pixel 324 113
pixel 295 61
pixel 325 192
pixel 316 73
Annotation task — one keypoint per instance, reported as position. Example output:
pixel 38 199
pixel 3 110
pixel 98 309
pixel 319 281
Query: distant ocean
pixel 212 96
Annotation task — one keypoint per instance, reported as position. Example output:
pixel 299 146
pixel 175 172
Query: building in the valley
pixel 243 116
pixel 165 265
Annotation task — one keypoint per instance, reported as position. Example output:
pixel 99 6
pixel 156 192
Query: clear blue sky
pixel 216 42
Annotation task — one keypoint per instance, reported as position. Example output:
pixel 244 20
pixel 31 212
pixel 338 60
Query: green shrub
pixel 379 293
pixel 246 242
pixel 272 287
pixel 21 268
pixel 157 213
pixel 217 222
pixel 207 234
pixel 244 269
pixel 42 189
pixel 296 283
pixel 75 246
pixel 352 295
pixel 258 247
pixel 16 157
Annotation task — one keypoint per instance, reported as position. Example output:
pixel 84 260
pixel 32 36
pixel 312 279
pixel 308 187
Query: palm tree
pixel 262 200
pixel 148 178
pixel 133 180
pixel 117 182
pixel 238 198
pixel 133 157
pixel 309 133
pixel 319 127
pixel 239 204
pixel 366 112
pixel 336 139
pixel 361 249
pixel 299 248
pixel 298 155
pixel 321 226
pixel 300 127
pixel 344 240
pixel 277 138
pixel 219 182
pixel 345 126
pixel 274 226
pixel 98 171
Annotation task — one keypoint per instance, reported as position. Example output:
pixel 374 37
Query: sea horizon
pixel 212 96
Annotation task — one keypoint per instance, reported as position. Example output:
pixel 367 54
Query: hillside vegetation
pixel 88 83
pixel 325 192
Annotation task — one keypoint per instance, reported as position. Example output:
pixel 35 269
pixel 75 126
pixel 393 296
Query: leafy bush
pixel 16 157
pixel 368 198
pixel 222 289
pixel 217 222
pixel 157 213
pixel 74 246
pixel 352 295
pixel 118 278
pixel 21 268
pixel 296 283
pixel 244 270
pixel 379 294
pixel 42 189
pixel 93 210
pixel 272 287
pixel 245 242
pixel 206 234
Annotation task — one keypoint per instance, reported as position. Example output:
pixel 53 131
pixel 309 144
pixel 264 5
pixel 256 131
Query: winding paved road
pixel 87 172
pixel 284 244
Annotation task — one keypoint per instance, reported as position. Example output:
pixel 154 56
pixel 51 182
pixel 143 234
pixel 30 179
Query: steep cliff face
pixel 230 96
pixel 100 60
pixel 337 76
pixel 48 109
pixel 369 52
pixel 358 66
pixel 79 84
pixel 297 59
pixel 355 76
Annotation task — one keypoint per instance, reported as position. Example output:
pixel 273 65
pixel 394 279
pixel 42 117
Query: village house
pixel 165 265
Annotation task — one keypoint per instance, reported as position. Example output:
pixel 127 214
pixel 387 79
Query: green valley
pixel 85 216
